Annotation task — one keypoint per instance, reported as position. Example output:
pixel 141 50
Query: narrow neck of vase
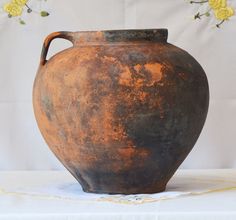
pixel 113 36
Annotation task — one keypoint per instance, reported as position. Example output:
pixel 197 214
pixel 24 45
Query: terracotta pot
pixel 120 109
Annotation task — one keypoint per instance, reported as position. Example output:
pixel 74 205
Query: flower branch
pixel 221 10
pixel 15 8
pixel 195 2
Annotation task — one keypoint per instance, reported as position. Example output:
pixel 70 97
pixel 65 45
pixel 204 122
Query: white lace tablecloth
pixel 191 194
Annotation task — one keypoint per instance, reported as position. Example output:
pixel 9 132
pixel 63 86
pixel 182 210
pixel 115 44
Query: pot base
pixel 127 191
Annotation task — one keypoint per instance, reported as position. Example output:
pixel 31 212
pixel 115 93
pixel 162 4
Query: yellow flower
pixel 20 2
pixel 224 13
pixel 13 9
pixel 216 4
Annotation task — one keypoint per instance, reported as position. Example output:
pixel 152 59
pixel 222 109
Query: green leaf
pixel 44 13
pixel 22 22
pixel 197 16
pixel 207 14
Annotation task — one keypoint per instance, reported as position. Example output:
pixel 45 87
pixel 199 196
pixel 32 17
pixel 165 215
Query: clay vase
pixel 120 109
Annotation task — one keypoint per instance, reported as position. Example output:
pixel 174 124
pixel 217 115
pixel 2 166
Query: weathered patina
pixel 120 109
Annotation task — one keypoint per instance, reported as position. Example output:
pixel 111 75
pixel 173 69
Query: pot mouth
pixel 125 35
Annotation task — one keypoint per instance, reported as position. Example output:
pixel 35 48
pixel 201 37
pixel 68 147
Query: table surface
pixel 190 194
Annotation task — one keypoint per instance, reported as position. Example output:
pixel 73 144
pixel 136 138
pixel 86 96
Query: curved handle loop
pixel 63 34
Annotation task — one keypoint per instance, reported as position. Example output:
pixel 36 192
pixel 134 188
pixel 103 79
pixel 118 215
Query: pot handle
pixel 62 34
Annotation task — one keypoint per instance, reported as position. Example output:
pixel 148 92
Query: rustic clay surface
pixel 120 109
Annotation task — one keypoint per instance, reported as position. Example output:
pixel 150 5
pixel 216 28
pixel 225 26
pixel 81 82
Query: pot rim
pixel 123 35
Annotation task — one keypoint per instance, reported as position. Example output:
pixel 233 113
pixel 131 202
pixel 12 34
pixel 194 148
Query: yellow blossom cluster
pixel 15 7
pixel 221 10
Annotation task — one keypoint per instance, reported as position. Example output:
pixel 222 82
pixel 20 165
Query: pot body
pixel 120 109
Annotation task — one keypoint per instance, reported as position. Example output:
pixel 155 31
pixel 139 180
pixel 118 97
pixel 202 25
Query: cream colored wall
pixel 21 145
